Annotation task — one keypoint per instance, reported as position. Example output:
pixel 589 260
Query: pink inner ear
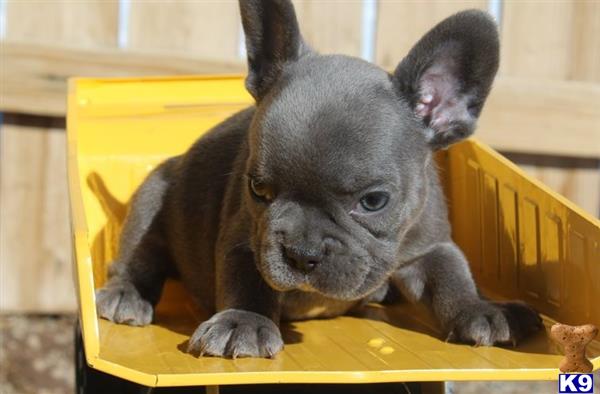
pixel 439 102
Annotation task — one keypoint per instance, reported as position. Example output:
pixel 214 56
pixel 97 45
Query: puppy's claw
pixel 236 334
pixel 486 324
pixel 204 351
pixel 120 302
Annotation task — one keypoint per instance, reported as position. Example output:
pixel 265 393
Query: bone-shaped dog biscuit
pixel 574 340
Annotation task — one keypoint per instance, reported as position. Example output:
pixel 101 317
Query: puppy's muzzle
pixel 302 260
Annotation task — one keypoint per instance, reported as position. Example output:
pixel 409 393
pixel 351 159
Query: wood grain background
pixel 544 111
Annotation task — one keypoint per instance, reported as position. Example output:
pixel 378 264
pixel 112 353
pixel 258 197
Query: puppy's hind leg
pixel 137 276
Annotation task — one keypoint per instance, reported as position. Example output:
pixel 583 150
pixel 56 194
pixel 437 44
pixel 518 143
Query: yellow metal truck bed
pixel 523 241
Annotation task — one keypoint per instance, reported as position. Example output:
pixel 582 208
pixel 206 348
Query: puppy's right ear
pixel 448 74
pixel 272 40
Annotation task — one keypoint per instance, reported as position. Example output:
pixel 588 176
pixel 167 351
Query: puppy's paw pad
pixel 235 333
pixel 122 303
pixel 486 323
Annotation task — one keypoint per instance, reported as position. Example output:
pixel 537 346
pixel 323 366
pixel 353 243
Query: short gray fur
pixel 326 131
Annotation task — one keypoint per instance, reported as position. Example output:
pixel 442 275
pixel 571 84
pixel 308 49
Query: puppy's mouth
pixel 279 273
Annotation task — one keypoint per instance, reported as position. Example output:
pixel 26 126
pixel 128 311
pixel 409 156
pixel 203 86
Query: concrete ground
pixel 36 356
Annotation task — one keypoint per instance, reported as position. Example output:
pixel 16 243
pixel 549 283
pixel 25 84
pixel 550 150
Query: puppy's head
pixel 339 148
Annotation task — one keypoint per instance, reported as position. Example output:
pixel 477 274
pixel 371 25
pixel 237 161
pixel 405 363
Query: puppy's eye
pixel 374 201
pixel 260 191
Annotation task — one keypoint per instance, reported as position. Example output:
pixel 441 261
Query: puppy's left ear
pixel 448 74
pixel 272 40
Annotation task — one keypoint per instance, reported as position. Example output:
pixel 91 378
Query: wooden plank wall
pixel 35 262
pixel 90 23
pixel 550 63
pixel 402 23
pixel 330 26
pixel 35 248
pixel 564 45
pixel 201 29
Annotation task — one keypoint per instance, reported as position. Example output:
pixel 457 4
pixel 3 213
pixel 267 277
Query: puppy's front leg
pixel 249 310
pixel 442 279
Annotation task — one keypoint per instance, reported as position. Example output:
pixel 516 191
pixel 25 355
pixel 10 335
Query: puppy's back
pixel 195 200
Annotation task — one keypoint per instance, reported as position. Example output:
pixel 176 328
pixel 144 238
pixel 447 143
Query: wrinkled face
pixel 335 177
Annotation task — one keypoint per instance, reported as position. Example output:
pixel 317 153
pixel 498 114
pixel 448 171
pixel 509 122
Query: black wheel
pixel 91 381
pixel 369 388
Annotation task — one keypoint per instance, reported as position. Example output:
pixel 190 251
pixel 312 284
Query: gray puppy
pixel 322 196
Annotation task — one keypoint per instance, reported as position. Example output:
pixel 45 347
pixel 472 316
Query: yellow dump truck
pixel 522 241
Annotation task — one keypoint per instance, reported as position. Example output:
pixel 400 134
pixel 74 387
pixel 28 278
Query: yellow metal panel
pixel 548 247
pixel 522 240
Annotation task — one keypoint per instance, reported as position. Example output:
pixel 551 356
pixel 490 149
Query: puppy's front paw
pixel 237 333
pixel 489 323
pixel 120 302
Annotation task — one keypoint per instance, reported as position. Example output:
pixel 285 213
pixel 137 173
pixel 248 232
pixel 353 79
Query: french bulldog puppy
pixel 318 198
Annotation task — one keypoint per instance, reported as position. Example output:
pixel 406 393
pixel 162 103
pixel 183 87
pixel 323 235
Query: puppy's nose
pixel 301 260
